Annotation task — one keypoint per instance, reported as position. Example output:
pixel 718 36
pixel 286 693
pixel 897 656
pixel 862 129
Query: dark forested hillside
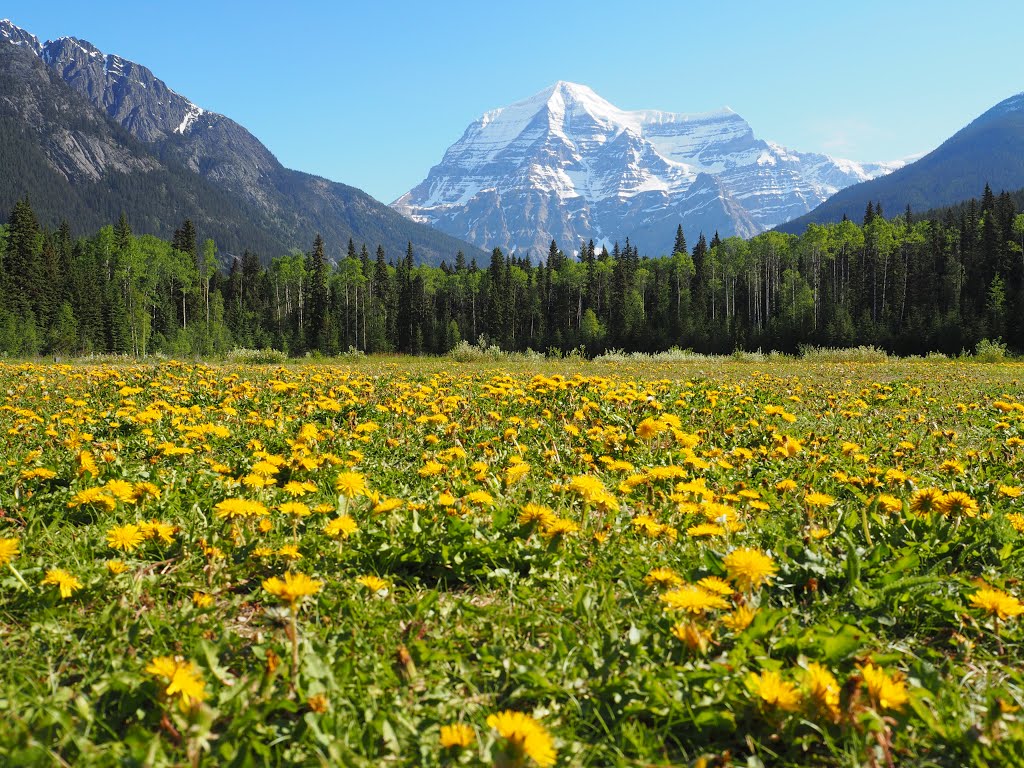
pixel 88 136
pixel 988 151
pixel 908 284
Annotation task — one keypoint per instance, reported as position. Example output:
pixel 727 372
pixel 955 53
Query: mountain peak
pixel 14 34
pixel 566 164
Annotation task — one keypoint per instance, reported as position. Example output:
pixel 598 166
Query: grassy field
pixel 577 564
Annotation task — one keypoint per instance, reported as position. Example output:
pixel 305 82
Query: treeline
pixel 941 282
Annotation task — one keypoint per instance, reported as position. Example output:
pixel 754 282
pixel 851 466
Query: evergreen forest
pixel 910 284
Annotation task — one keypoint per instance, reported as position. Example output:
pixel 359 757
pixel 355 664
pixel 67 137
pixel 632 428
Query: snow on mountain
pixel 565 164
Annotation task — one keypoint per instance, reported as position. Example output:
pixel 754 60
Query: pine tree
pixel 319 298
pixel 680 244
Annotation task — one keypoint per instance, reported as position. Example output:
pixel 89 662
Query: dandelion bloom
pixel 715 586
pixel 295 508
pixel 234 508
pixel 536 513
pixel 771 689
pixel 8 550
pixel 957 504
pixel 122 490
pixel 387 505
pixel 816 499
pixel 516 472
pixel 649 428
pixel 64 581
pixel 98 497
pixel 886 691
pixel 926 500
pixel 155 529
pixel 457 735
pixel 341 527
pixel 560 527
pixel 116 566
pixel 525 736
pixel 293 587
pixel 749 568
pixel 692 636
pixel 373 583
pixel 202 600
pixel 822 691
pixel 662 577
pixel 483 498
pixel 183 678
pixel 1009 491
pixel 125 537
pixel 350 484
pixel 705 529
pixel 739 619
pixel 692 599
pixel 997 603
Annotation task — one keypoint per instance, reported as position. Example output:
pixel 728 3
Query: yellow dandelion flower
pixel 536 513
pixel 886 691
pixel 125 537
pixel 341 527
pixel 121 490
pixel 373 583
pixel 952 467
pixel 202 600
pixel 516 472
pixel 821 691
pixel 560 528
pixel 694 637
pixel 739 619
pixel 295 508
pixel 773 691
pixel 1009 491
pixel 1016 519
pixel 926 500
pixel 958 504
pixel 387 505
pixel 431 468
pixel 525 737
pixel 997 603
pixel 289 552
pixel 705 529
pixel 187 682
pixel 350 484
pixel 155 529
pixel 785 485
pixel 481 498
pixel 8 550
pixel 293 587
pixel 235 508
pixel 692 599
pixel 64 581
pixel 715 586
pixel 816 499
pixel 97 497
pixel 116 567
pixel 749 568
pixel 890 504
pixel 649 428
pixel 295 488
pixel 456 736
pixel 662 577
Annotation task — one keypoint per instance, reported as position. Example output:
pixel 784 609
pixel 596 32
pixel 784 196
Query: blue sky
pixel 372 93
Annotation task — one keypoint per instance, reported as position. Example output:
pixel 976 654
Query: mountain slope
pixel 989 150
pixel 566 164
pixel 283 208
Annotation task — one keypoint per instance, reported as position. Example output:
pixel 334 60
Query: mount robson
pixel 88 135
pixel 567 165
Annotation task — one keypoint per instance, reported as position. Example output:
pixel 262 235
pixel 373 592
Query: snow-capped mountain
pixel 567 165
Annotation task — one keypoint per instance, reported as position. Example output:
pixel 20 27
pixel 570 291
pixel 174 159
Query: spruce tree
pixel 680 244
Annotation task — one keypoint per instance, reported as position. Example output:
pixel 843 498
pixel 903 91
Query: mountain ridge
pixel 285 208
pixel 988 150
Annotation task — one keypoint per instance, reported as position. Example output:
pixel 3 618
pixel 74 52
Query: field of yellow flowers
pixel 424 563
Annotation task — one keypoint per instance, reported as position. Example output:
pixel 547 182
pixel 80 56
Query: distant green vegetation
pixel 940 283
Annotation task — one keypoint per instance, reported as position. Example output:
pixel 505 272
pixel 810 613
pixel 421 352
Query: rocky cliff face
pixel 170 131
pixel 567 165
